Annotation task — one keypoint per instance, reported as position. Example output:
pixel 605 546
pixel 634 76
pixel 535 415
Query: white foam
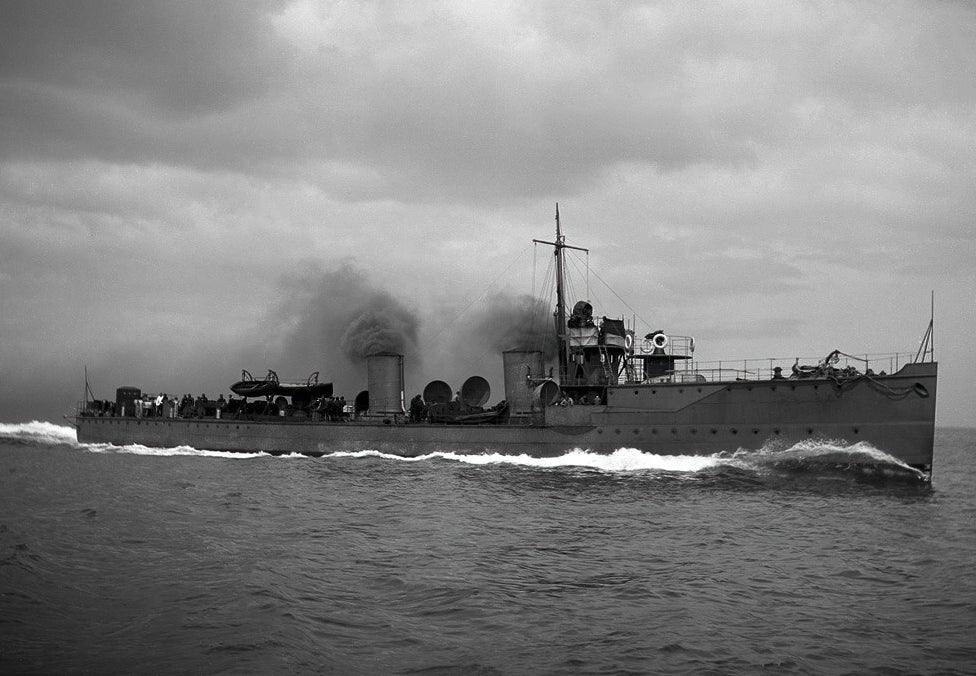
pixel 621 460
pixel 37 430
pixel 138 449
pixel 824 451
pixel 812 451
pixel 50 434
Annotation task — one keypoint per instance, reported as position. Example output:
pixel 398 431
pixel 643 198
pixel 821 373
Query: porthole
pixel 653 430
pixel 681 390
pixel 653 391
pixel 617 431
pixel 735 431
pixel 816 387
pixel 714 431
pixel 674 431
pixel 755 430
pixel 856 431
pixel 776 431
pixel 636 392
pixel 636 431
pixel 694 431
pixel 599 431
pixel 809 430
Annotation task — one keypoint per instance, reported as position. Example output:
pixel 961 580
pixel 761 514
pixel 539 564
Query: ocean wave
pixel 808 456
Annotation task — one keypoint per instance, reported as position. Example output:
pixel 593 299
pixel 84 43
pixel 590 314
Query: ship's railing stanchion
pixel 764 368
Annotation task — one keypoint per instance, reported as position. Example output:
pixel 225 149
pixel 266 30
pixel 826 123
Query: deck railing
pixel 763 369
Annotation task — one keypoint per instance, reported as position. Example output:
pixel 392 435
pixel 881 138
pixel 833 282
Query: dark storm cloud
pixel 128 80
pixel 182 58
pixel 470 102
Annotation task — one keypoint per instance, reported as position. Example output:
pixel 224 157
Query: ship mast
pixel 561 301
pixel 558 247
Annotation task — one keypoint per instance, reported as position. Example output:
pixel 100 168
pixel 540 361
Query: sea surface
pixel 136 560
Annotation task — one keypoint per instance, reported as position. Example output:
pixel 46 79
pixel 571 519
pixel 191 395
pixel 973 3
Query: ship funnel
pixel 384 375
pixel 475 391
pixel 546 393
pixel 519 367
pixel 437 392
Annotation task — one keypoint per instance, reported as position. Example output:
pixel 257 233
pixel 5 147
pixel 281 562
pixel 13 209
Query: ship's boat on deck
pixel 271 386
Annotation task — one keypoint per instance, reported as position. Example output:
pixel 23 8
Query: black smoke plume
pixel 388 329
pixel 330 321
pixel 517 323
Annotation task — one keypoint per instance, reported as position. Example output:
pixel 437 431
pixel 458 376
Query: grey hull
pixel 894 413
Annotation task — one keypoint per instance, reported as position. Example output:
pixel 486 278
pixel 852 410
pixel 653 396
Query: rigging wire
pixel 535 254
pixel 587 274
pixel 595 301
pixel 484 295
pixel 576 266
pixel 540 329
pixel 617 296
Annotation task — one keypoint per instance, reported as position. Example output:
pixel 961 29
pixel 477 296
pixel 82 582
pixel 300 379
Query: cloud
pixel 186 60
pixel 471 102
pixel 163 167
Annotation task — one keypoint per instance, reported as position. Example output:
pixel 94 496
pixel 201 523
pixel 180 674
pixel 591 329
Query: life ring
pixel 660 340
pixel 629 342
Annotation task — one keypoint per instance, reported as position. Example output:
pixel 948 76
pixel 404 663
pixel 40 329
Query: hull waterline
pixel 895 414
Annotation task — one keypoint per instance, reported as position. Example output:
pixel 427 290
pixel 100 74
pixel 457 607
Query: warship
pixel 608 386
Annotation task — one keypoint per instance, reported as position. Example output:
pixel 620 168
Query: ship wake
pixel 50 435
pixel 806 459
pixel 37 433
pixel 621 460
pixel 826 457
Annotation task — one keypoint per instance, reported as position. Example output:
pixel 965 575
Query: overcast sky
pixel 189 189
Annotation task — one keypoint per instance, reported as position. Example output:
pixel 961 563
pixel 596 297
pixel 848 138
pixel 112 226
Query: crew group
pixel 162 406
pixel 188 406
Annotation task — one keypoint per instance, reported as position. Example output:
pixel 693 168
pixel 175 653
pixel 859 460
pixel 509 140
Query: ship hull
pixel 894 413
